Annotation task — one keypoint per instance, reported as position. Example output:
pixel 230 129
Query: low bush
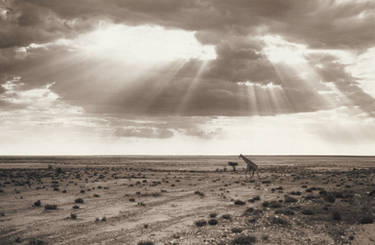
pixel 307 212
pixel 37 242
pixel 50 207
pixel 145 243
pixel 289 199
pixel 226 216
pixel 79 200
pixel 237 230
pixel 239 202
pixel 200 223
pixel 212 222
pixel 37 203
pixel 336 216
pixel 244 240
pixel 213 215
pixel 366 220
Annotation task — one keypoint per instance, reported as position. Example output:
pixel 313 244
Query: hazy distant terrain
pixel 185 162
pixel 186 200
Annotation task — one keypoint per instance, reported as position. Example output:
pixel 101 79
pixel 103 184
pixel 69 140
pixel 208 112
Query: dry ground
pixel 129 204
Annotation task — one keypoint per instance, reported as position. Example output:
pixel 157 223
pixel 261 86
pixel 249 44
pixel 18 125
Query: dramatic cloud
pixel 345 24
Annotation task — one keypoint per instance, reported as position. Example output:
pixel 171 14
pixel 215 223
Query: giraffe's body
pixel 250 165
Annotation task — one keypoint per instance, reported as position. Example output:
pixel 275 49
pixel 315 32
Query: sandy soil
pixel 162 204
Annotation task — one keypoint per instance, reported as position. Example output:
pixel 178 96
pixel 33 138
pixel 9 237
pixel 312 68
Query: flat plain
pixel 186 200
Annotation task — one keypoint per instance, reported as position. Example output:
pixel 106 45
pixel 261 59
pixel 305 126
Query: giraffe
pixel 250 165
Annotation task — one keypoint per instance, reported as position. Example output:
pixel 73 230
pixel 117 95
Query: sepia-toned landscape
pixel 194 122
pixel 186 200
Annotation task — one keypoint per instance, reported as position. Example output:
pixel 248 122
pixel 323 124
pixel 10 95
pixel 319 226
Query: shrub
pixel 307 212
pixel 289 199
pixel 37 203
pixel 336 216
pixel 279 221
pixel 145 243
pixel 37 242
pixel 329 198
pixel 338 194
pixel 213 215
pixel 79 200
pixel 200 223
pixel 50 207
pixel 233 165
pixel 236 230
pixel 73 216
pixel 199 193
pixel 266 204
pixel 75 207
pixel 288 212
pixel 295 193
pixel 244 240
pixel 366 220
pixel 248 211
pixel 252 220
pixel 239 202
pixel 256 198
pixel 275 204
pixel 212 222
pixel 323 192
pixel 227 216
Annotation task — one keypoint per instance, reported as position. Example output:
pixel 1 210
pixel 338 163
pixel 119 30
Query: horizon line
pixel 183 155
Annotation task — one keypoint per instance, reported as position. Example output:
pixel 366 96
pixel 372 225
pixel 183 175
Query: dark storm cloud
pixel 317 23
pixel 214 93
pixel 331 70
pixel 330 24
pixel 23 23
pixel 240 59
pixel 230 25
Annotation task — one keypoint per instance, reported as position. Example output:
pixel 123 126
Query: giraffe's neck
pixel 245 159
pixel 248 162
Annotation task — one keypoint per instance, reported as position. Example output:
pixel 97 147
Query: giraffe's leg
pixel 258 173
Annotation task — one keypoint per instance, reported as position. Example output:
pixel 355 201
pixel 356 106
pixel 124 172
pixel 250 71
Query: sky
pixel 202 77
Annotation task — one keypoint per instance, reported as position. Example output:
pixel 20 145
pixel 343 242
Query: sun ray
pixel 191 89
pixel 277 49
pixel 244 100
pixel 253 100
pixel 162 83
